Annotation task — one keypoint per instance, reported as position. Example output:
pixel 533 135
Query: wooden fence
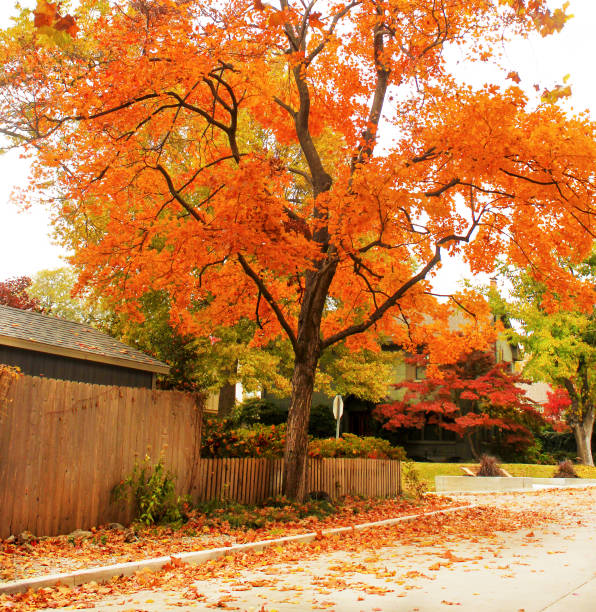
pixel 64 445
pixel 254 480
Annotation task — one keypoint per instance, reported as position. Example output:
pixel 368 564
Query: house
pixel 42 345
pixel 430 443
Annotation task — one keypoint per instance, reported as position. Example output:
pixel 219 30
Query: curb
pixel 534 489
pixel 104 573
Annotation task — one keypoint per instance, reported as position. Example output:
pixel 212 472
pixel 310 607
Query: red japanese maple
pixel 472 394
pixel 13 292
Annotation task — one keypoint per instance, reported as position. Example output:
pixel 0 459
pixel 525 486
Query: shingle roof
pixel 45 334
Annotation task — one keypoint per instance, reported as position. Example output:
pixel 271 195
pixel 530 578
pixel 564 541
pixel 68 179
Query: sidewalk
pixel 474 561
pixel 552 572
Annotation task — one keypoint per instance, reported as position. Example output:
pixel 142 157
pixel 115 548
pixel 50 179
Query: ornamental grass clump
pixel 489 466
pixel 565 470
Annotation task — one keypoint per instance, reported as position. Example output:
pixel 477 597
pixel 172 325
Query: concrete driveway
pixel 550 565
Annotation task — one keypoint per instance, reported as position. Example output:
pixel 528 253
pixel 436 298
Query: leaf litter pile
pixel 480 525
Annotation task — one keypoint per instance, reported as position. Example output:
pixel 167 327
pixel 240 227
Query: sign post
pixel 338 410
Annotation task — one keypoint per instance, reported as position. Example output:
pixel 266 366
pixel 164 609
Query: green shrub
pixel 153 493
pixel 414 485
pixel 350 445
pixel 220 440
pixel 321 423
pixel 256 410
pixel 556 446
pixel 274 510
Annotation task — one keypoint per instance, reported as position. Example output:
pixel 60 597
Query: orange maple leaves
pixel 47 15
pixel 183 150
pixel 439 536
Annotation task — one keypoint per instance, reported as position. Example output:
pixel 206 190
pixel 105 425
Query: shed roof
pixel 45 334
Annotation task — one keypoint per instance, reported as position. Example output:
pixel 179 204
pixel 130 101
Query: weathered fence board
pixel 251 481
pixel 64 445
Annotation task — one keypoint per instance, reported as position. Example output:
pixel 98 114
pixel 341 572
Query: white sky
pixel 25 246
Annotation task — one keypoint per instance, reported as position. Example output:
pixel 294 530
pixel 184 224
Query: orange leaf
pixel 67 24
pixel 276 19
pixel 45 13
pixel 315 20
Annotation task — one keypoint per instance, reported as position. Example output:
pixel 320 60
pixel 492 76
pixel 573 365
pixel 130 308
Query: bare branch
pixel 286 107
pixel 443 189
pixel 301 173
pixel 453 299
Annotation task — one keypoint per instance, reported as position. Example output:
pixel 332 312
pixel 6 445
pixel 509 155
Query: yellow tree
pixel 137 119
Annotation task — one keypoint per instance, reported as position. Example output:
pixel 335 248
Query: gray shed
pixel 42 345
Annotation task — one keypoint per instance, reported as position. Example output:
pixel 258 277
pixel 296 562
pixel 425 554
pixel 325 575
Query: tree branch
pixel 527 178
pixel 369 137
pixel 443 189
pixel 178 197
pixel 270 299
pixel 389 303
pixel 395 297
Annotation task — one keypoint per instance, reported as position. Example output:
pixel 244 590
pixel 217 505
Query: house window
pixel 420 372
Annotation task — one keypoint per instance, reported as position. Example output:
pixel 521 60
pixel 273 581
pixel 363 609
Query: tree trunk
pixel 581 417
pixel 307 351
pixel 583 438
pixel 470 437
pixel 295 454
pixel 227 399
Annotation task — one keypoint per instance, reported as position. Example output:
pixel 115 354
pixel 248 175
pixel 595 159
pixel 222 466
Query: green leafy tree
pixel 208 363
pixel 53 289
pixel 560 344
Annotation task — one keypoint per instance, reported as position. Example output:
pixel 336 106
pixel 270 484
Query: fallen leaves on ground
pixel 107 546
pixel 427 531
pixel 439 534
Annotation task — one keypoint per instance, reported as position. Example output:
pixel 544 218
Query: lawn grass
pixel 428 471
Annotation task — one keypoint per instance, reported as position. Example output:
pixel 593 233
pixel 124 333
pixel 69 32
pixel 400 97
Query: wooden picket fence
pixel 251 481
pixel 64 445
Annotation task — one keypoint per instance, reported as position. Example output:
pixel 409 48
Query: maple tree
pixel 560 347
pixel 139 119
pixel 14 293
pixel 468 396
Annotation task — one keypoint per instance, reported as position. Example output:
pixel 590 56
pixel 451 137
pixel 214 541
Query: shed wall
pixel 78 370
